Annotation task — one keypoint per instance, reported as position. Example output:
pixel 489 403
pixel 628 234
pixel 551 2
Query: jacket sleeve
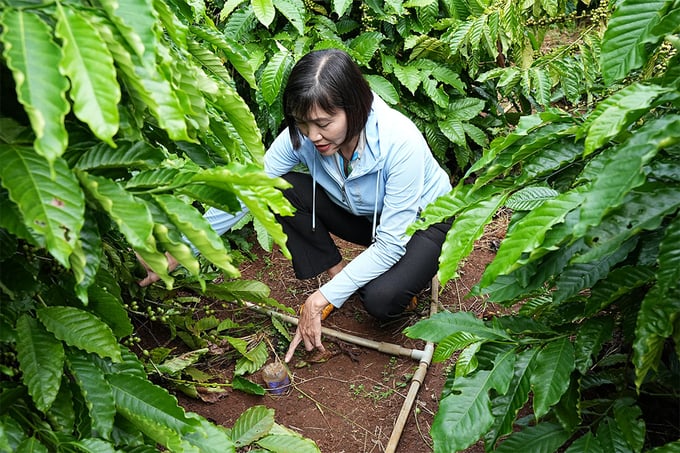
pixel 279 159
pixel 403 176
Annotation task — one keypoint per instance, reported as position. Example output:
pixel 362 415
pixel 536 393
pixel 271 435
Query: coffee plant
pixel 587 356
pixel 119 124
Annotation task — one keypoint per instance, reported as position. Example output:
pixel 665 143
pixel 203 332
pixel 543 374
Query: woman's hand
pixel 151 276
pixel 309 325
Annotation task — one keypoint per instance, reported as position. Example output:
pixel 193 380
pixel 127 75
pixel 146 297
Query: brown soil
pixel 350 402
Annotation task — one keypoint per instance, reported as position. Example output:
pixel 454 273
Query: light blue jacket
pixel 394 178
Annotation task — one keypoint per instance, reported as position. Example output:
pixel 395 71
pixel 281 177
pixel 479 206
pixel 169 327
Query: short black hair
pixel 331 80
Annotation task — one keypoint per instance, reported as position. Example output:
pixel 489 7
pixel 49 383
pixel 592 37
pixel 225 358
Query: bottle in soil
pixel 276 377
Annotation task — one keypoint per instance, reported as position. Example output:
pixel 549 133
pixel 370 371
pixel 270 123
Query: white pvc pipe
pixel 416 381
pixel 424 356
pixel 387 348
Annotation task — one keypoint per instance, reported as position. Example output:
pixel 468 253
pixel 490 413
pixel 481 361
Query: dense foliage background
pixel 120 122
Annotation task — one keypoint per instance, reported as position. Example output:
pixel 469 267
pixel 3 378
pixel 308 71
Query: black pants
pixel 314 251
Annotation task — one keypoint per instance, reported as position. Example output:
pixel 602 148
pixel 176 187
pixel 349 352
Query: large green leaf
pixel 655 323
pixel 87 62
pixel 96 392
pixel 615 114
pixel 49 198
pixel 198 231
pixel 541 438
pixel 466 229
pixel 135 396
pixel 243 121
pixel 507 406
pixel 128 212
pixel 276 70
pixel 34 60
pixel 464 415
pixel 86 258
pixel 294 11
pixel 550 377
pixel 629 28
pixel 252 425
pixel 442 324
pixel 106 302
pixel 591 335
pixel 585 444
pixel 138 155
pixel 529 234
pixel 668 273
pixel 148 86
pixel 41 360
pixel 81 329
pixel 264 11
pixel 137 23
pixel 618 282
pixel 288 443
pixel 235 52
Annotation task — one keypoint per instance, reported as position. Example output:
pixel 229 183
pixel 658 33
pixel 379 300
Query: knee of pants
pixel 383 303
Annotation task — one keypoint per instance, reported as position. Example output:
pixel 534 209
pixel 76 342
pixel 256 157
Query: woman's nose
pixel 314 133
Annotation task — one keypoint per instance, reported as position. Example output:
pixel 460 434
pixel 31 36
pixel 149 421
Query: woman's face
pixel 327 131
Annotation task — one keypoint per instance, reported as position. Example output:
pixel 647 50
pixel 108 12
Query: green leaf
pixel 135 396
pixel 138 155
pixel 616 113
pixel 294 11
pixel 130 214
pixel 246 386
pixel 48 196
pixel 86 258
pixel 242 119
pixel 611 438
pixel 34 60
pixel 41 360
pixel 529 234
pixel 383 88
pixel 288 443
pixel 655 321
pixel 93 445
pixel 541 438
pixel 87 62
pixel 467 228
pixel 148 87
pixel 541 85
pixel 409 76
pixel 137 24
pixel 442 324
pixel 668 272
pixel 275 72
pixel 81 329
pixel 618 282
pixel 177 364
pixel 590 337
pixel 96 392
pixel 198 231
pixel 506 406
pixel 454 342
pixel 623 44
pixel 252 425
pixel 465 413
pixel 235 52
pixel 628 416
pixel 264 11
pixel 550 377
pixel 585 444
pixel 529 198
pixel 106 302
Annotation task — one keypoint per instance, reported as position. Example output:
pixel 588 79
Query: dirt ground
pixel 349 403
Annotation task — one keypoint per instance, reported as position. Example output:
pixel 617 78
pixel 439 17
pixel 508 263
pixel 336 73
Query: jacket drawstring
pixel 375 206
pixel 314 195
